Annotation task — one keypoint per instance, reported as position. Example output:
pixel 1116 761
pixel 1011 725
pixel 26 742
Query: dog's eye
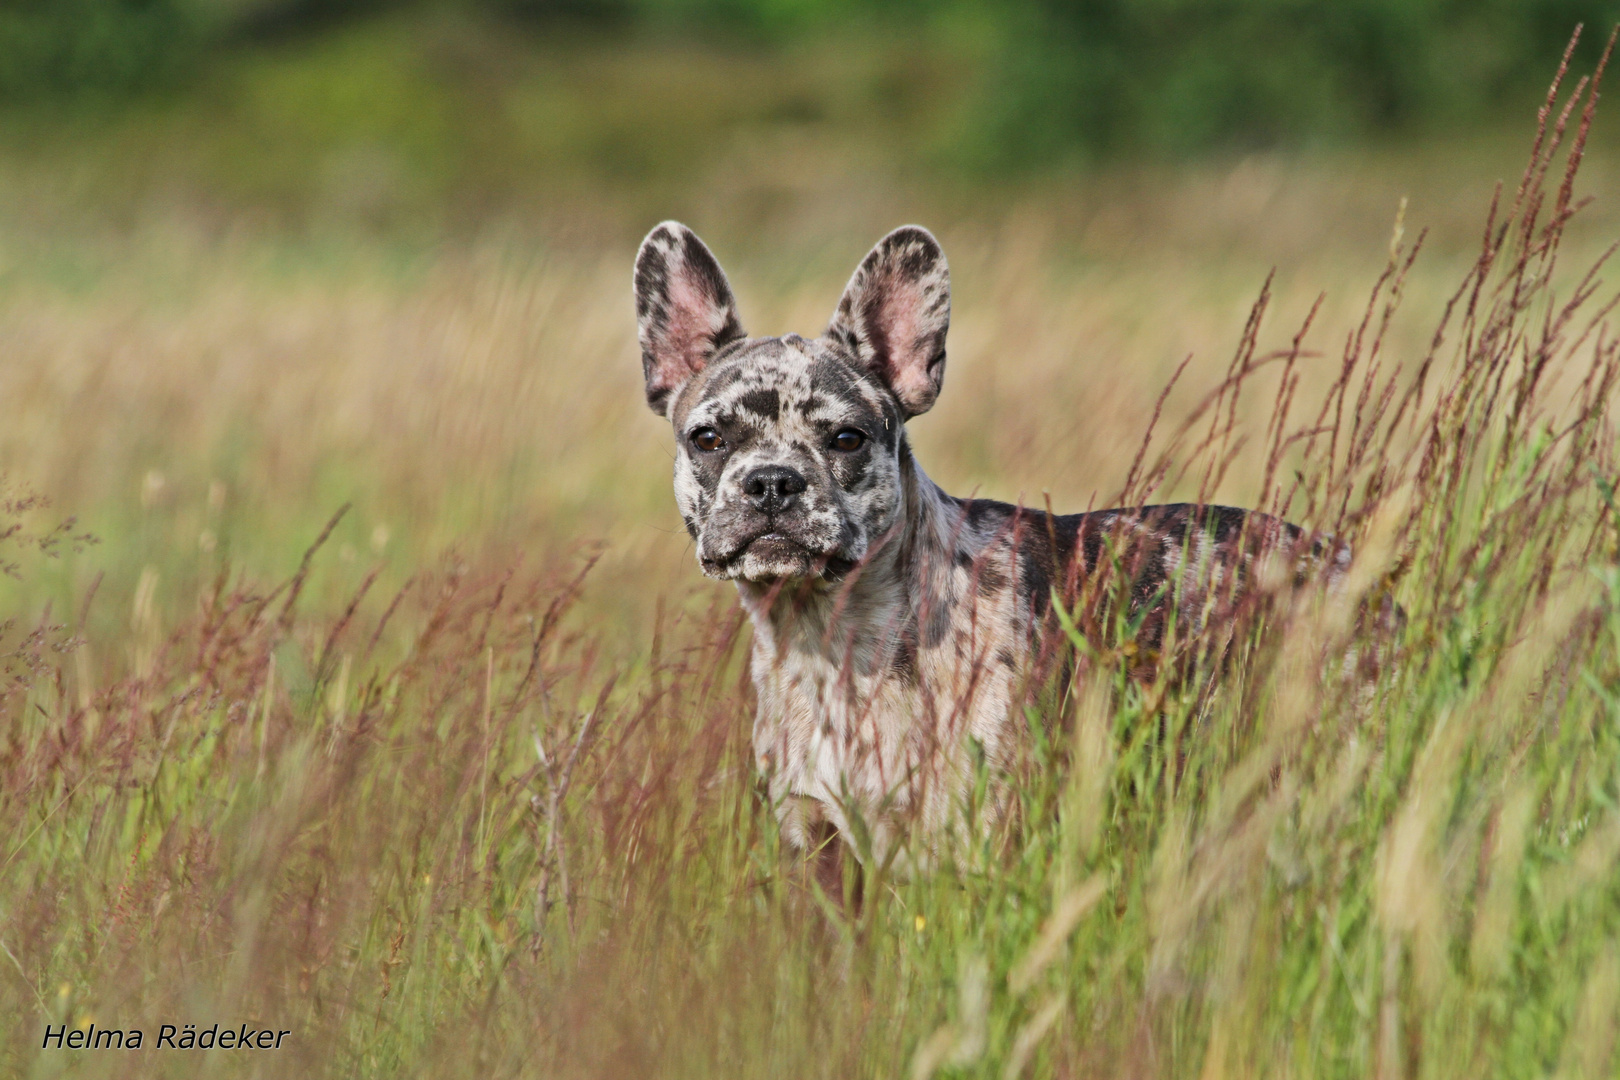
pixel 707 439
pixel 848 440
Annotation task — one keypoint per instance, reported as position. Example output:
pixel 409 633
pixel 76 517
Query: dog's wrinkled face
pixel 788 458
pixel 788 463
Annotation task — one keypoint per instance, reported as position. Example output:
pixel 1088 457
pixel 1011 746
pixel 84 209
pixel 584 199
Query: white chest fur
pixel 871 707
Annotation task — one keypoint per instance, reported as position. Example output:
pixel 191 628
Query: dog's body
pixel 894 625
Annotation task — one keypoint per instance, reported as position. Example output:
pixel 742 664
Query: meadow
pixel 360 681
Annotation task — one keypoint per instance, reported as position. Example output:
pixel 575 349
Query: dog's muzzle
pixel 775 527
pixel 772 554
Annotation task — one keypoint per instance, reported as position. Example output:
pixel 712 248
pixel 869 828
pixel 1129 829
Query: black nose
pixel 773 488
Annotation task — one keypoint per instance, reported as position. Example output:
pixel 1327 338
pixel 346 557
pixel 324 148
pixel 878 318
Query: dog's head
pixel 789 450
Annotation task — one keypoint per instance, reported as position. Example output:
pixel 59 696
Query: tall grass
pixel 435 819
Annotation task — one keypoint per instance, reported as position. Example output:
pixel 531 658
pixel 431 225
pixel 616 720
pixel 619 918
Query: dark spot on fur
pixel 916 261
pixel 983 516
pixel 903 664
pixel 851 469
pixel 990 579
pixel 894 423
pixel 835 377
pixel 934 620
pixel 837 568
pixel 657 397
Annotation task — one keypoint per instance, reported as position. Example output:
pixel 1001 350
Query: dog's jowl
pixel 893 623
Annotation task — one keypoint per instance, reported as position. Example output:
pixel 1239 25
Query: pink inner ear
pixel 899 319
pixel 694 320
pixel 900 329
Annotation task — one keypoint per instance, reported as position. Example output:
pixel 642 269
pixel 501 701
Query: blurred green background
pixel 483 96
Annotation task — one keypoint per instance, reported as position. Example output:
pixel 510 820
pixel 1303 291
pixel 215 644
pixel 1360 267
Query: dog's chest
pixel 882 722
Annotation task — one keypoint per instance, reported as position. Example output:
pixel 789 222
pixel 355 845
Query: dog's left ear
pixel 685 312
pixel 895 312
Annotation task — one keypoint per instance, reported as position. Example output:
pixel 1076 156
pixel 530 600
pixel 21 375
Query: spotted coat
pixel 893 624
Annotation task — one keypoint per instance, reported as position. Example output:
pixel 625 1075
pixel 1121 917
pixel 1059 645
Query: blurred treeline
pixel 1053 78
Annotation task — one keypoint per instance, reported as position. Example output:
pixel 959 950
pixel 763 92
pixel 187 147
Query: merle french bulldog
pixel 892 622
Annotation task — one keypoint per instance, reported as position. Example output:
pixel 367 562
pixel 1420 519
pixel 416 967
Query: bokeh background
pixel 259 258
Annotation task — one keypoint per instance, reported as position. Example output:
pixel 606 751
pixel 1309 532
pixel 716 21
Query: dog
pixel 893 624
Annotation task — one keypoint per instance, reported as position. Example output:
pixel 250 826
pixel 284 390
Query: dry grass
pixel 486 393
pixel 482 814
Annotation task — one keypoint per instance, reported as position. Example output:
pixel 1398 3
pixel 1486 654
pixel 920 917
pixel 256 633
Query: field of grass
pixel 384 702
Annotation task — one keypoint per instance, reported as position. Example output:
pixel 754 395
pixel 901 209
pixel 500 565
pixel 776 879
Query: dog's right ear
pixel 685 312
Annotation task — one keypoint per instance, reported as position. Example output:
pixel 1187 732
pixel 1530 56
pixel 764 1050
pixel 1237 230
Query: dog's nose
pixel 772 488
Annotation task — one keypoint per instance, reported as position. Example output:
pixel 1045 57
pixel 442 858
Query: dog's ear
pixel 894 314
pixel 684 310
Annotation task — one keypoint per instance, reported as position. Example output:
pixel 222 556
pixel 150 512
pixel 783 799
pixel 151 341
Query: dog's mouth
pixel 774 555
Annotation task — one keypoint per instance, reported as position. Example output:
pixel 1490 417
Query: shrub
pixel 1110 76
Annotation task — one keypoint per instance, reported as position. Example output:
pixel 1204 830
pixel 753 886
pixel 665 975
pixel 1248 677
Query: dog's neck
pixel 872 688
pixel 862 613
